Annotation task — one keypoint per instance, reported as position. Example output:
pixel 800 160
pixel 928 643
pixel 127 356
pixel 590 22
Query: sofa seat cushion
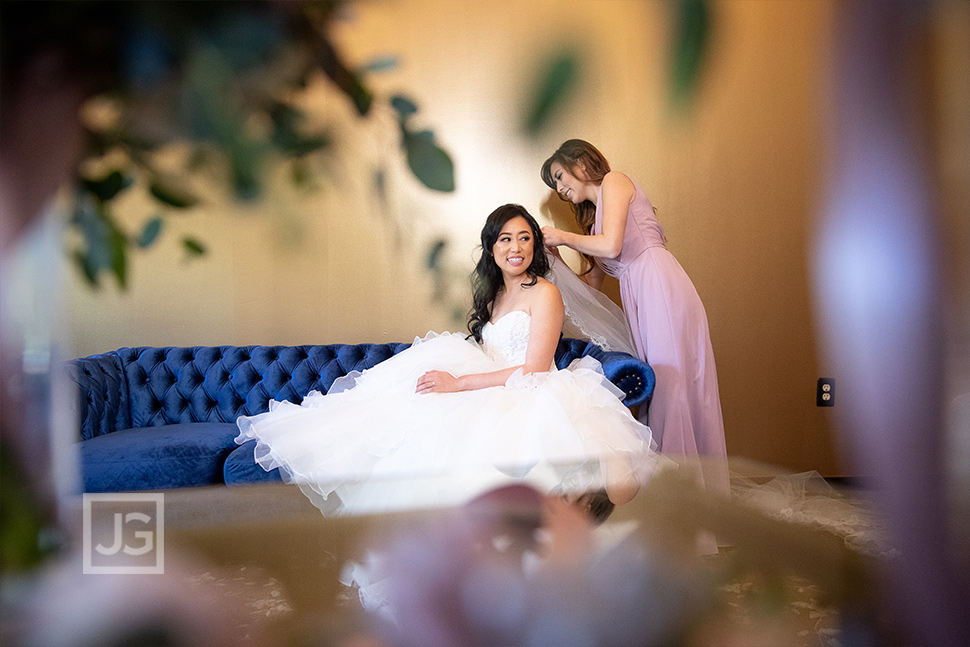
pixel 240 467
pixel 154 458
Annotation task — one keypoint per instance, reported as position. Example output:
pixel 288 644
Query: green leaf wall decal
pixel 556 82
pixel 193 247
pixel 690 44
pixel 150 231
pixel 429 163
pixel 109 186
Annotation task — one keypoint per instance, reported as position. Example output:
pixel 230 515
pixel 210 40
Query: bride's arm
pixel 547 314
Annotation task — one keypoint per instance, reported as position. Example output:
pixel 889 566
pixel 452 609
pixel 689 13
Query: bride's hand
pixel 437 382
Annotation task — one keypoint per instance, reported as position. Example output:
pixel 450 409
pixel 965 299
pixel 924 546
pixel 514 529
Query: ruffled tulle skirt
pixel 380 446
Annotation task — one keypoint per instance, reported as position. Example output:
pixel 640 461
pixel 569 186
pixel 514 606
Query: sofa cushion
pixel 241 467
pixel 153 458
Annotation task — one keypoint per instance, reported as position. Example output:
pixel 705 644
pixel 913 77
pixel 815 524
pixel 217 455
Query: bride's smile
pixel 514 247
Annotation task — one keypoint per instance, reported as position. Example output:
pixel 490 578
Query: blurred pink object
pixel 175 608
pixel 516 568
pixel 880 306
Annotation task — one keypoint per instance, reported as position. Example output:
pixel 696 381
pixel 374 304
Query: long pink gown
pixel 670 330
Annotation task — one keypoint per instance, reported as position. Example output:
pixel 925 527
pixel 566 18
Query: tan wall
pixel 736 183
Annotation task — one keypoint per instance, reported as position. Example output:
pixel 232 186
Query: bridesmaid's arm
pixel 547 313
pixel 618 194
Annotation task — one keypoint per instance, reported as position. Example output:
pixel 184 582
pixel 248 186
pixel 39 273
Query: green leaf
pixel 217 114
pixel 95 233
pixel 245 176
pixel 119 257
pixel 300 174
pixel 287 137
pixel 83 261
pixel 380 184
pixel 285 117
pixel 379 64
pixel 150 232
pixel 109 186
pixel 193 247
pixel 434 254
pixel 105 246
pixel 690 45
pixel 404 106
pixel 345 79
pixel 556 82
pixel 166 191
pixel 299 146
pixel 429 163
pixel 246 39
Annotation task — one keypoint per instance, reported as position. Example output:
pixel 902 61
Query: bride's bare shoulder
pixel 545 295
pixel 546 287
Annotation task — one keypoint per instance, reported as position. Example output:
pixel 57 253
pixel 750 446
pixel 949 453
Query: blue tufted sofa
pixel 158 418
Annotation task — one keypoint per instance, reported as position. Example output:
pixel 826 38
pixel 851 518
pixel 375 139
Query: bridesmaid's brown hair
pixel 584 161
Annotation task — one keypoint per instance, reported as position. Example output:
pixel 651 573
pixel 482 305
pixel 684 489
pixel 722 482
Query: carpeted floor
pixel 747 614
pixel 747 607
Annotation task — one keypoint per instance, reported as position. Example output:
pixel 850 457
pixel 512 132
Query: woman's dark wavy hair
pixel 487 278
pixel 584 161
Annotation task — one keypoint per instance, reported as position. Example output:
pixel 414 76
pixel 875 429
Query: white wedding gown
pixel 379 446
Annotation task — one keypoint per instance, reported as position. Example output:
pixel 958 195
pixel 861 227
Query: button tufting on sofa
pixel 150 436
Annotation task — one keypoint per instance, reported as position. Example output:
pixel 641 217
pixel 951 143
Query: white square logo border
pixel 151 540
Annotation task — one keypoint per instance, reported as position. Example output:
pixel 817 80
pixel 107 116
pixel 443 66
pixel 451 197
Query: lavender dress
pixel 670 331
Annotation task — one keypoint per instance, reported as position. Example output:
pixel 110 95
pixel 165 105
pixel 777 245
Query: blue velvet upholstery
pixel 103 394
pixel 153 418
pixel 219 384
pixel 241 467
pixel 150 458
pixel 630 374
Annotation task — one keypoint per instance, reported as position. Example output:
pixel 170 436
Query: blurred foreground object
pixel 879 301
pixel 225 78
pixel 90 93
pixel 181 608
pixel 513 567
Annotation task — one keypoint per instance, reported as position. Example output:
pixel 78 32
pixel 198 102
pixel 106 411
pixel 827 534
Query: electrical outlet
pixel 825 392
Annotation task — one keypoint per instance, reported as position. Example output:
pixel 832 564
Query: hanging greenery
pixel 218 75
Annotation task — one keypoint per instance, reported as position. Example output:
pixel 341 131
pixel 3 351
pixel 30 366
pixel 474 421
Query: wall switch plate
pixel 825 392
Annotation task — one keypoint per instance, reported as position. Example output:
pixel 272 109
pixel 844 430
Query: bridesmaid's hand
pixel 553 237
pixel 437 382
pixel 553 251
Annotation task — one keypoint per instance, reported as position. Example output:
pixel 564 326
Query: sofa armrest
pixel 630 374
pixel 101 405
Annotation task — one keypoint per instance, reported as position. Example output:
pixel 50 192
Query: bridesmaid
pixel 623 238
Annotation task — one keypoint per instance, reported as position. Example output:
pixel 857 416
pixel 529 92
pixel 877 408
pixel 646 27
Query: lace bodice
pixel 507 340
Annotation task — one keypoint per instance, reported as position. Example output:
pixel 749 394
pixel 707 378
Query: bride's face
pixel 514 246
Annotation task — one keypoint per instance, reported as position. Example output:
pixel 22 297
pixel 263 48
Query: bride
pixel 455 415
